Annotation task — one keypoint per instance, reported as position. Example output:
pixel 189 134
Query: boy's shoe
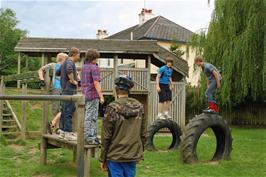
pixel 94 142
pixel 61 134
pixel 167 116
pixel 70 136
pixel 161 116
pixel 209 110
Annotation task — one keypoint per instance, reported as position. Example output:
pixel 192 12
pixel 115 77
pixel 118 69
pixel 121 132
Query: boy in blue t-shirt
pixel 164 88
pixel 55 88
pixel 213 83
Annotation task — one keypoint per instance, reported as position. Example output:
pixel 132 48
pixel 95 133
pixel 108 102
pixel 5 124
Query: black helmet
pixel 124 82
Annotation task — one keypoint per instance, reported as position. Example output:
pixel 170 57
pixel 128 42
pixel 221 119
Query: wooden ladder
pixel 10 127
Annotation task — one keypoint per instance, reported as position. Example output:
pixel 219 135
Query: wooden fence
pixel 177 105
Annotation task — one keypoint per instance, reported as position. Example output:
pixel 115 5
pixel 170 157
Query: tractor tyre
pixel 195 129
pixel 159 124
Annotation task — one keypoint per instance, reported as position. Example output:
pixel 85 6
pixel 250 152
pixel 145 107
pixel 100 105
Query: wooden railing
pixel 138 75
pixel 79 116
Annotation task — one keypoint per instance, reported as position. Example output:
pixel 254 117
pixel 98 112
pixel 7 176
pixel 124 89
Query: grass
pixel 248 155
pixel 248 159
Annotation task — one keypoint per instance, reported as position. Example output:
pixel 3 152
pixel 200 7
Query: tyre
pixel 195 129
pixel 159 124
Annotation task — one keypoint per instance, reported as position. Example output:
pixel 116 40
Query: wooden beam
pixel 183 105
pixel 19 69
pixel 148 65
pixel 115 74
pixel 80 136
pixel 23 113
pixel 87 160
pixel 1 104
pixel 44 59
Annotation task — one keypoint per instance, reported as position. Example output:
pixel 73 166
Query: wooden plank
pixel 60 141
pixel 23 113
pixel 80 136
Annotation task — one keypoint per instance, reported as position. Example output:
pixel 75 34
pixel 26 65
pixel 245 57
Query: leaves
pixel 9 36
pixel 236 42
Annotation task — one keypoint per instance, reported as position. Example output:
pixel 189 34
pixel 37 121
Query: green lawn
pixel 248 155
pixel 248 159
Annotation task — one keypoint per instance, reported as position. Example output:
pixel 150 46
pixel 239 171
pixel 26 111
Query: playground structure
pixel 144 89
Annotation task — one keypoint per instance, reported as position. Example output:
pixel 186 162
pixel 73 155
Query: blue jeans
pixel 121 169
pixel 91 117
pixel 67 110
pixel 211 91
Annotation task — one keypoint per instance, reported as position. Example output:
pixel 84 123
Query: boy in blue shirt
pixel 55 89
pixel 213 83
pixel 164 88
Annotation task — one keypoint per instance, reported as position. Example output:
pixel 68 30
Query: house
pixel 160 29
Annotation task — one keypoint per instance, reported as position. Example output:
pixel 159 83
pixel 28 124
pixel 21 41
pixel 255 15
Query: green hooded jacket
pixel 123 131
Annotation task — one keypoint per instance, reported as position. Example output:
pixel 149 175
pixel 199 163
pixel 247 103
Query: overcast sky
pixel 82 18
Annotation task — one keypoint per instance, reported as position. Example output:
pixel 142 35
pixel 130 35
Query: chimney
pixel 101 34
pixel 145 15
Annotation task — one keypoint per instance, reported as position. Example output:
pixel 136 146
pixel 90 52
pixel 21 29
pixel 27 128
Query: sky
pixel 82 18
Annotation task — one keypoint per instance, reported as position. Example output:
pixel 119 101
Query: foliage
pixel 9 36
pixel 198 41
pixel 175 48
pixel 236 42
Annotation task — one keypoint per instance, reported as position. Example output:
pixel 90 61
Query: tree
pixel 9 36
pixel 175 48
pixel 236 42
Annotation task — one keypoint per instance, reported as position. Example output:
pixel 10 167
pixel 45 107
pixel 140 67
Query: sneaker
pixel 208 110
pixel 94 142
pixel 161 116
pixel 70 136
pixel 61 134
pixel 167 116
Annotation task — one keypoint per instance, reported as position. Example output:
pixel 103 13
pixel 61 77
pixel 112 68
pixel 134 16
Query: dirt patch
pixel 16 148
pixel 35 106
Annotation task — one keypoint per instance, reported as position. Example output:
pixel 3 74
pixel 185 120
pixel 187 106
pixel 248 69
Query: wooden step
pixel 9 126
pixel 9 120
pixel 10 133
pixel 7 115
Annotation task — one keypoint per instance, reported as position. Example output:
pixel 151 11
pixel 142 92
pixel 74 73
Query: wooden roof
pixel 157 28
pixel 106 47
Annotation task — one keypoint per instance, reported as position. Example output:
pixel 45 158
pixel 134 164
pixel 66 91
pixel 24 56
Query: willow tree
pixel 236 42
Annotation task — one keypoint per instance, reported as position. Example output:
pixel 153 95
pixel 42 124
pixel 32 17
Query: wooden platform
pixel 54 141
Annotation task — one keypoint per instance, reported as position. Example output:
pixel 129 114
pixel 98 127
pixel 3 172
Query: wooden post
pixel 80 139
pixel 183 105
pixel 1 104
pixel 45 121
pixel 44 59
pixel 19 69
pixel 149 114
pixel 115 73
pixel 87 159
pixel 27 64
pixel 44 131
pixel 23 113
